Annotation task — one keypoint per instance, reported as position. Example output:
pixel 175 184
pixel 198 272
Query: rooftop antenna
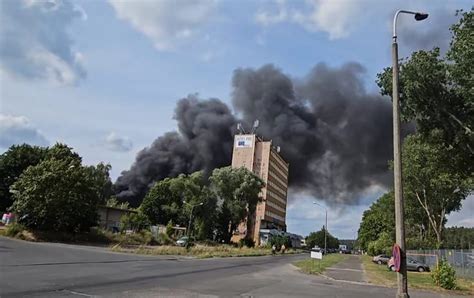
pixel 241 129
pixel 256 123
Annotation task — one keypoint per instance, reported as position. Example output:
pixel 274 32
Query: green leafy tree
pixel 433 180
pixel 56 195
pixel 379 218
pixel 164 202
pixel 437 92
pixel 383 245
pixel 99 176
pixel 134 221
pixel 458 238
pixel 12 163
pixel 280 240
pixel 238 193
pixel 317 239
pixel 63 152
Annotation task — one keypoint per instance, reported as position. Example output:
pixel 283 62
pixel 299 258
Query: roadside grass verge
pixel 380 275
pixel 197 251
pixel 140 243
pixel 93 237
pixel 312 266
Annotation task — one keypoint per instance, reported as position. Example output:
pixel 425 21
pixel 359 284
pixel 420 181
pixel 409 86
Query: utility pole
pixel 402 280
pixel 325 228
pixel 191 216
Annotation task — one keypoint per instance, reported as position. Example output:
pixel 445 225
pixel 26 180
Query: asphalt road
pixel 59 270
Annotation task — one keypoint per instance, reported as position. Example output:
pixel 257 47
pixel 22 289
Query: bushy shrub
pixel 417 243
pixel 383 245
pixel 444 275
pixel 246 242
pixel 14 229
pixel 169 229
pixel 278 241
pixel 134 221
pixel 164 239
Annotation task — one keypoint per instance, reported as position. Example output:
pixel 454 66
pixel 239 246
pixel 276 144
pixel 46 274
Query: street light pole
pixel 397 160
pixel 325 228
pixel 191 215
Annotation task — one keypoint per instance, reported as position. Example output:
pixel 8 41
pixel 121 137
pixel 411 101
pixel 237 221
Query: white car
pixel 182 241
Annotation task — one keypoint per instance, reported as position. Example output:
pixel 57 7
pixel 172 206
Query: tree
pixel 164 201
pixel 12 163
pixel 458 238
pixel 101 182
pixel 63 152
pixel 437 92
pixel 317 239
pixel 433 180
pixel 280 240
pixel 238 193
pixel 379 218
pixel 134 221
pixel 383 245
pixel 56 195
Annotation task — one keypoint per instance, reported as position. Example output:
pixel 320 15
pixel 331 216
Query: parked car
pixel 381 259
pixel 182 241
pixel 412 265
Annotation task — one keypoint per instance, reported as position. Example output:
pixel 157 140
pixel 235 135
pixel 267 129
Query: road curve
pixel 60 270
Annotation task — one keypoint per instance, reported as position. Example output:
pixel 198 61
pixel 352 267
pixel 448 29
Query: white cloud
pixel 115 142
pixel 331 16
pixel 267 18
pixel 304 217
pixel 166 23
pixel 463 217
pixel 35 43
pixel 340 18
pixel 18 130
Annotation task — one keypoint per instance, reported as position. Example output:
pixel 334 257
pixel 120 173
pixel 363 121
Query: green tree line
pixel 50 189
pixel 437 95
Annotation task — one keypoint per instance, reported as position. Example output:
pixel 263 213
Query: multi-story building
pixel 263 159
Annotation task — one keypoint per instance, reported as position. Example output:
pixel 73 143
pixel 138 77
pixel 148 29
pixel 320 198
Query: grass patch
pixel 312 266
pixel 380 275
pixel 198 251
pixel 94 237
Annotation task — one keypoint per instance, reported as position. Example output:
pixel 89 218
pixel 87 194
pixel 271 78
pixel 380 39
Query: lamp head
pixel 419 16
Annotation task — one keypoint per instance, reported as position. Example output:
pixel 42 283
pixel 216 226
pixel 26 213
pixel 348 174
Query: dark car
pixel 381 259
pixel 412 265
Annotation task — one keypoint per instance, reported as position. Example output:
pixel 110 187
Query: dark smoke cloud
pixel 204 142
pixel 336 137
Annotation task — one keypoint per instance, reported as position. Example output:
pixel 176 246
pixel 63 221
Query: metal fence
pixel 461 259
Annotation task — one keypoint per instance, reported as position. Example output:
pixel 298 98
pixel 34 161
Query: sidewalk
pixel 348 270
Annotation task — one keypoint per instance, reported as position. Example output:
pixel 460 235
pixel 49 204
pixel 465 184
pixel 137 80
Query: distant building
pixel 109 217
pixel 263 159
pixel 347 243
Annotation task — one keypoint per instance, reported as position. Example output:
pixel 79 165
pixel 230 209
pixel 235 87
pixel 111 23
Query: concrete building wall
pixel 262 158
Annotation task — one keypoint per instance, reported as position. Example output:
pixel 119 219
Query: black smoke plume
pixel 336 137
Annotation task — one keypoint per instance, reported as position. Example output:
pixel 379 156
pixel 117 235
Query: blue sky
pixel 104 76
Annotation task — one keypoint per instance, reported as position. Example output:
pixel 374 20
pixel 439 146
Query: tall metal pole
pixel 325 227
pixel 191 215
pixel 397 160
pixel 325 234
pixel 397 173
pixel 190 219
